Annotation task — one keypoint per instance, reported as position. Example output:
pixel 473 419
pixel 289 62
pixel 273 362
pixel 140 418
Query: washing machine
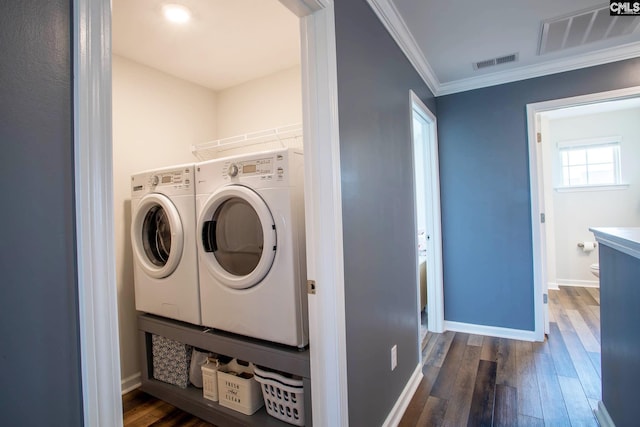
pixel 251 247
pixel 163 227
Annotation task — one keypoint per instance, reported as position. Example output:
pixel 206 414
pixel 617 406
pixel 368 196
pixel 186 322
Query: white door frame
pixel 537 191
pixel 98 316
pixel 435 289
pixel 323 218
pixel 97 291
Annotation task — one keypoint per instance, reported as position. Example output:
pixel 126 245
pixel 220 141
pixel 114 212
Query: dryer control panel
pixel 266 168
pixel 269 169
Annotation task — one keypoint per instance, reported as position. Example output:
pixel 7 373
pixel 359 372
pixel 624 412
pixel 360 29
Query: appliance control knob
pixel 233 170
pixel 155 180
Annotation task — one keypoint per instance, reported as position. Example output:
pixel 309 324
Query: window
pixel 590 162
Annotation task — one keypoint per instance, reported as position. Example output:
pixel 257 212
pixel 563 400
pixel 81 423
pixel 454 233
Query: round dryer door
pixel 238 236
pixel 157 236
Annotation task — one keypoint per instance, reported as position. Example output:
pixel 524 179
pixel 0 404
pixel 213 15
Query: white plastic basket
pixel 283 396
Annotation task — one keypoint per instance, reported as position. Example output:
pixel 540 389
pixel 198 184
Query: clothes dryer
pixel 163 224
pixel 251 247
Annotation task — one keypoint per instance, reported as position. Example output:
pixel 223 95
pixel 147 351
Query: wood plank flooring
pixel 143 410
pixel 470 380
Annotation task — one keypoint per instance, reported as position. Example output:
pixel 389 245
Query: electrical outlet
pixel 394 357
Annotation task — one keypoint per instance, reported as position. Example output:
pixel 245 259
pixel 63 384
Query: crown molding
pixel 396 26
pixel 590 59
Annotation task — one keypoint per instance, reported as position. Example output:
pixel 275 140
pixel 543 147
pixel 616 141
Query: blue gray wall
pixel 619 320
pixel 374 79
pixel 485 196
pixel 39 353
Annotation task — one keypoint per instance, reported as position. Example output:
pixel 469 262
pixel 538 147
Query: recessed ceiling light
pixel 176 13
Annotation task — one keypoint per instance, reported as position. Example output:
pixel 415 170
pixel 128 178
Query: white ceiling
pixel 444 38
pixel 230 42
pixel 227 42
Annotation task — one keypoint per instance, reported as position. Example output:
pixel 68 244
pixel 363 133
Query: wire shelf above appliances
pixel 281 137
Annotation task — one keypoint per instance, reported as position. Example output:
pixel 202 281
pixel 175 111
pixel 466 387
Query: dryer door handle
pixel 209 236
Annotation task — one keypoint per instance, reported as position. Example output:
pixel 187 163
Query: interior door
pixel 429 233
pixel 421 193
pixel 543 227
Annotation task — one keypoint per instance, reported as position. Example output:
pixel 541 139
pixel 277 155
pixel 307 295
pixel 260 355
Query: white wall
pixel 156 120
pixel 576 211
pixel 268 102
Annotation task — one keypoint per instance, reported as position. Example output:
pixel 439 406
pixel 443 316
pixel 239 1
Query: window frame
pixel 586 144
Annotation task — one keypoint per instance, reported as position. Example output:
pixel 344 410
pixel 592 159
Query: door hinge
pixel 539 137
pixel 311 287
pixel 543 218
pixel 545 298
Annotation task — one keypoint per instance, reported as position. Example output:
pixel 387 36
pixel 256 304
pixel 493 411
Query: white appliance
pixel 163 225
pixel 251 247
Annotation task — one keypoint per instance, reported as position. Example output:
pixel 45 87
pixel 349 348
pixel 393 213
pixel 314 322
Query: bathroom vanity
pixel 619 317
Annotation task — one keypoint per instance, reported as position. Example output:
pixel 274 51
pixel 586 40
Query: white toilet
pixel 595 269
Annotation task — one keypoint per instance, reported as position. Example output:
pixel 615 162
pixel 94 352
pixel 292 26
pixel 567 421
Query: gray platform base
pixel 190 400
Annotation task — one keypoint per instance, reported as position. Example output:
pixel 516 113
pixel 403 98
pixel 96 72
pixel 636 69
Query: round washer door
pixel 157 235
pixel 237 236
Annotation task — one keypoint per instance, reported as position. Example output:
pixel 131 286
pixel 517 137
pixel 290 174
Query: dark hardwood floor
pixel 142 410
pixel 471 380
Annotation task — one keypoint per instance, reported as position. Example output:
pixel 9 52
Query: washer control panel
pixel 176 178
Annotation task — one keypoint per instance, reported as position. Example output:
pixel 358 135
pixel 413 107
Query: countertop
pixel 623 239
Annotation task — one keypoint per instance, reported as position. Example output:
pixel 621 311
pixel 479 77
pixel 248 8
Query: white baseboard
pixel 604 419
pixel 554 286
pixel 394 417
pixel 131 383
pixel 581 283
pixel 492 331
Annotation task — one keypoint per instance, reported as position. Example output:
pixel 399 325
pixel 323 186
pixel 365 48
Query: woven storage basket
pixel 171 361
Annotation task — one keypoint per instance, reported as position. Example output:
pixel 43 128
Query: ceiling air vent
pixel 584 27
pixel 495 61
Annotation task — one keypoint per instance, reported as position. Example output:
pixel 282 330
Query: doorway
pixel 164 115
pixel 427 218
pixel 94 208
pixel 542 206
